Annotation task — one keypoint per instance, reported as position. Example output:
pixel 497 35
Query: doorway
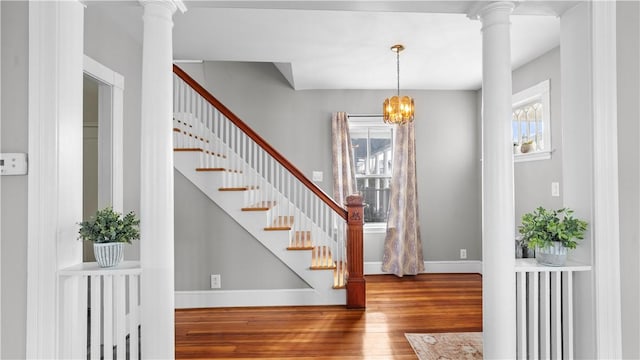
pixel 90 131
pixel 102 146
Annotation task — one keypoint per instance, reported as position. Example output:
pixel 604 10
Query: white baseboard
pixel 458 266
pixel 238 298
pixel 302 297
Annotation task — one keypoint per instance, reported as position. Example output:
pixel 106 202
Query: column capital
pixel 482 10
pixel 172 5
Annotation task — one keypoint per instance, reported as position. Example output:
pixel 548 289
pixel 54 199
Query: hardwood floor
pixel 419 304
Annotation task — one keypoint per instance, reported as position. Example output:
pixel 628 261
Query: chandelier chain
pixel 398 69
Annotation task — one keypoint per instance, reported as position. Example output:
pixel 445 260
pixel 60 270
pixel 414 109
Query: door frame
pixel 110 132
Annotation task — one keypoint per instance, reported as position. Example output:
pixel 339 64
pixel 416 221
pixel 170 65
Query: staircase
pixel 267 195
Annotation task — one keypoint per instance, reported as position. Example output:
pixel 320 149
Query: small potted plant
pixel 551 233
pixel 109 230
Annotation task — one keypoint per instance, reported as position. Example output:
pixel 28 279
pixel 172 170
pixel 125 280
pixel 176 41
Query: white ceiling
pixel 346 44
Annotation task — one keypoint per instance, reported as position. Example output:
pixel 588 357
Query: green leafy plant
pixel 108 226
pixel 542 227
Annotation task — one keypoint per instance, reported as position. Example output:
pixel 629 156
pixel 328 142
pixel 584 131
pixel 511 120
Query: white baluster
pixel 545 315
pixel 556 315
pixel 120 334
pixel 107 308
pixel 567 314
pixel 533 316
pixel 287 175
pixel 233 154
pixel 134 315
pixel 96 321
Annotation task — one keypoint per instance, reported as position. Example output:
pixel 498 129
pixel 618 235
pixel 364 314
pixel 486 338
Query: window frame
pixel 536 93
pixel 372 122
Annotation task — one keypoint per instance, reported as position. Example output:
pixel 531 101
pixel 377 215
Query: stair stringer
pixel 299 261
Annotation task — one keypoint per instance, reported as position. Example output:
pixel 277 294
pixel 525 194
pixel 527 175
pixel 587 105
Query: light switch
pixel 317 176
pixel 555 189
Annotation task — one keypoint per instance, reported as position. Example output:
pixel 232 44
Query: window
pixel 372 142
pixel 530 124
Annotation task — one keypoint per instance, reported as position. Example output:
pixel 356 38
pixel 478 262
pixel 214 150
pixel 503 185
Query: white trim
pixel 0 183
pixel 533 156
pixel 606 235
pixel 235 298
pixel 110 136
pixel 455 266
pixel 531 93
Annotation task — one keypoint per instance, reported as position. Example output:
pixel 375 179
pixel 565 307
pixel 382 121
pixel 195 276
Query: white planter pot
pixel 108 254
pixel 555 255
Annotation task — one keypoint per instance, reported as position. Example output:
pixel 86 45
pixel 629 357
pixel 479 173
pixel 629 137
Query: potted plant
pixel 527 146
pixel 109 230
pixel 551 233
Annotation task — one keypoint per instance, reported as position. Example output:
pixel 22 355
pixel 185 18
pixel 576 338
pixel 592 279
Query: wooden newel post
pixel 356 287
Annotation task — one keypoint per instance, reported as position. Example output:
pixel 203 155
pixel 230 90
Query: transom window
pixel 530 124
pixel 372 142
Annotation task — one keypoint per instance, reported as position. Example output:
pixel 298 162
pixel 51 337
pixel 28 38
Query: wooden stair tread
pixel 218 169
pixel 190 135
pixel 240 188
pixel 281 223
pixel 210 169
pixel 261 206
pixel 188 149
pixel 200 150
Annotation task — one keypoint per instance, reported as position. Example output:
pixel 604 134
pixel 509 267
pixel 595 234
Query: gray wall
pixel 14 132
pixel 114 48
pixel 628 57
pixel 208 241
pixel 532 179
pixel 297 124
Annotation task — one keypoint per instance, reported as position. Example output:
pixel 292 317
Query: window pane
pixel 514 129
pixel 380 147
pixel 373 153
pixel 359 153
pixel 527 125
pixel 375 194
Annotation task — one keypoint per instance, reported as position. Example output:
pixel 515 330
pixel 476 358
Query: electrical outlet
pixel 216 281
pixel 463 253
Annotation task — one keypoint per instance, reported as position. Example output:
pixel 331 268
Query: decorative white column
pixel 55 169
pixel 606 224
pixel 498 223
pixel 156 181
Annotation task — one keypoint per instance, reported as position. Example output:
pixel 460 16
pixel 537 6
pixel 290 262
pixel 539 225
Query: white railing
pixel 246 164
pixel 544 309
pixel 100 311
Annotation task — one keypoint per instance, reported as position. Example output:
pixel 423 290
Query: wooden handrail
pixel 261 142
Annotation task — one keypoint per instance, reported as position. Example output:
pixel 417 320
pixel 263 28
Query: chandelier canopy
pixel 397 109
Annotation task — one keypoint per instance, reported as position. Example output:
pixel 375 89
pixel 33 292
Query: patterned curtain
pixel 402 245
pixel 343 169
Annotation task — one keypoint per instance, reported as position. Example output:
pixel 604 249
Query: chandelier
pixel 396 109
